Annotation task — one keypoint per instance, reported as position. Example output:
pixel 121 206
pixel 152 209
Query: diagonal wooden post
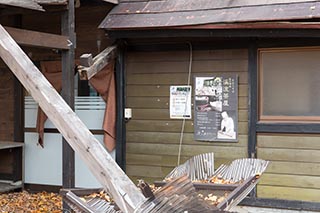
pixel 114 180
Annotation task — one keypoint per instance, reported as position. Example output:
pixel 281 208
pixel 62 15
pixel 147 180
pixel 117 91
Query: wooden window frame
pixel 275 118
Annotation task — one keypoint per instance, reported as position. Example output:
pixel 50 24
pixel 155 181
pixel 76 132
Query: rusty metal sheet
pixel 278 12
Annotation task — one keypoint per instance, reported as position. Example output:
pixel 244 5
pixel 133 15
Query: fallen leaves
pixel 24 202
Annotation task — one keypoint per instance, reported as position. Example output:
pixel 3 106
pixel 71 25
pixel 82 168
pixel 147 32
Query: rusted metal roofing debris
pixel 130 14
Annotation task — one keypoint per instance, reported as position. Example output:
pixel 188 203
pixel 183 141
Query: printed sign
pixel 180 102
pixel 216 108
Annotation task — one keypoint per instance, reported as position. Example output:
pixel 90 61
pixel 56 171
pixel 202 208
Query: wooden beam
pixel 112 1
pixel 113 179
pixel 38 39
pixel 28 4
pixel 98 62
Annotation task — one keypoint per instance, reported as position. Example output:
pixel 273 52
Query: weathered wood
pixel 132 6
pixel 171 126
pixel 252 103
pixel 281 204
pixel 98 160
pixel 169 17
pixel 86 60
pixel 67 93
pixel 52 2
pixel 28 4
pixel 220 54
pixel 187 150
pixel 294 168
pixel 38 39
pixel 112 1
pixel 174 138
pixel 148 171
pixel 204 66
pixel 302 128
pixel 99 62
pixel 173 78
pixel 164 90
pixel 312 182
pixel 166 160
pixel 163 102
pixel 163 114
pixel 288 193
pixel 10 145
pixel 293 155
pixel 120 105
pixel 289 141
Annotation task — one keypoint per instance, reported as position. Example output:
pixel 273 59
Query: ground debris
pixel 24 202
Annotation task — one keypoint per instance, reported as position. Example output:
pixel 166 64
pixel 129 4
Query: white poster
pixel 180 102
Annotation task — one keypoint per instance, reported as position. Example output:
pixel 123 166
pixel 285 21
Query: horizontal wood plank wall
pixel 152 138
pixel 294 173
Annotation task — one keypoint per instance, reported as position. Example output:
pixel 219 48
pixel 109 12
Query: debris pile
pixel 21 202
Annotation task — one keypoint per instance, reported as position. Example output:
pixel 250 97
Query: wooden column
pixel 18 135
pixel 68 29
pixel 253 99
pixel 120 122
pixel 253 104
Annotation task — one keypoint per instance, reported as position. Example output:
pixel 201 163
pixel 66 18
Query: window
pixel 289 85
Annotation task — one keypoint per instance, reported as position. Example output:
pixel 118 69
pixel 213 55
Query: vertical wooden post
pixel 18 135
pixel 253 97
pixel 253 105
pixel 120 122
pixel 67 61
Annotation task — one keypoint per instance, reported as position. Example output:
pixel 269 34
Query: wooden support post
pixel 18 135
pixel 67 63
pixel 120 122
pixel 108 173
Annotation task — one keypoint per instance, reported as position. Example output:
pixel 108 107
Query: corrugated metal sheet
pixel 159 14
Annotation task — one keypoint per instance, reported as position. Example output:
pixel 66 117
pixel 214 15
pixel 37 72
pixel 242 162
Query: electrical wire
pixel 184 120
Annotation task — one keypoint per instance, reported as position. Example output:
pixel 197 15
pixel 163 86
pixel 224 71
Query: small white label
pixel 127 113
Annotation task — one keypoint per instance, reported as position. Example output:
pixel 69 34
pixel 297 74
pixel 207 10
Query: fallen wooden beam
pixel 89 67
pixel 28 4
pixel 38 39
pixel 103 167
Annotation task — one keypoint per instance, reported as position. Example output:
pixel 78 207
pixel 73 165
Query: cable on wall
pixel 184 120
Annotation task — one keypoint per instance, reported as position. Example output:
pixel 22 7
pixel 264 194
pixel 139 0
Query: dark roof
pixel 132 14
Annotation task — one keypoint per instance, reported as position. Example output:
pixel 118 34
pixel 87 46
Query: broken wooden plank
pixel 112 1
pixel 38 39
pixel 108 173
pixel 28 4
pixel 96 64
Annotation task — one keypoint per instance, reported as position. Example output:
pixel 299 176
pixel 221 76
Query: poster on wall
pixel 180 102
pixel 216 108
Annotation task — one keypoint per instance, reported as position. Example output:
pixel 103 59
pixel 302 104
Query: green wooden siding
pixel 152 137
pixel 294 173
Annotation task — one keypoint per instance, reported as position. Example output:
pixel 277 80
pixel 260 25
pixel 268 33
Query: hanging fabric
pixel 104 83
pixel 52 71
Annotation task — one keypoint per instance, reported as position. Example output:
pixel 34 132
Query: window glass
pixel 289 82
